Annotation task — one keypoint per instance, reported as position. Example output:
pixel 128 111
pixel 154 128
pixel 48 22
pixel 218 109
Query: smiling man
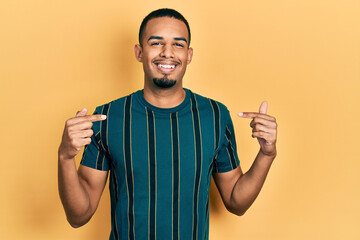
pixel 161 146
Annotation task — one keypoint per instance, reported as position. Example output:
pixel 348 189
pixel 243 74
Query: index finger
pixel 255 114
pixel 92 118
pixel 97 117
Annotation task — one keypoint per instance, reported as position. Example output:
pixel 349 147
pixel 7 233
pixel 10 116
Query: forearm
pixel 73 195
pixel 248 186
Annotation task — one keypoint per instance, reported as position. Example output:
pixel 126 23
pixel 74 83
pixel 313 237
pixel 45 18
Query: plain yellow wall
pixel 57 57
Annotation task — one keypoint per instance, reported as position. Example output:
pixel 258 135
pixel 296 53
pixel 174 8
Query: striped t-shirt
pixel 161 161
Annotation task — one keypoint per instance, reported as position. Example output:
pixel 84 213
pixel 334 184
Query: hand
pixel 264 128
pixel 77 133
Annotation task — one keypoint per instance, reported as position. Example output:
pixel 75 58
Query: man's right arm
pixel 79 191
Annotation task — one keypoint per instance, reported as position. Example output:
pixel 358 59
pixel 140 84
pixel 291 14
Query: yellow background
pixel 57 57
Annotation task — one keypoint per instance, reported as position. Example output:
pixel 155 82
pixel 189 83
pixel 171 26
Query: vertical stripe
pixel 176 176
pixel 107 135
pixel 216 113
pixel 198 161
pixel 103 136
pixel 100 164
pixel 230 148
pixel 100 156
pixel 211 167
pixel 116 196
pixel 128 166
pixel 152 173
pixel 207 217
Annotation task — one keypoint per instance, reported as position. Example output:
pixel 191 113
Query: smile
pixel 166 67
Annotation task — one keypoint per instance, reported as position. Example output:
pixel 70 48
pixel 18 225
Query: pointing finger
pixel 92 118
pixel 97 117
pixel 263 107
pixel 255 114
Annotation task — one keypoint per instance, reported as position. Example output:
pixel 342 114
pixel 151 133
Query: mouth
pixel 166 67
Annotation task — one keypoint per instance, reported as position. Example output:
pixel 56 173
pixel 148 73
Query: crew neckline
pixel 140 96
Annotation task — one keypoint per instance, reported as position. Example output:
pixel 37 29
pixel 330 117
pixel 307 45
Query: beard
pixel 164 82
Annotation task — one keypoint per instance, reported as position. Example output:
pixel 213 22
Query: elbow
pixel 76 223
pixel 238 210
pixel 239 213
pixel 77 220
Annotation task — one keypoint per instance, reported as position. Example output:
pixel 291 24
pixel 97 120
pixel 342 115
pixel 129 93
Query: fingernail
pixel 240 114
pixel 103 116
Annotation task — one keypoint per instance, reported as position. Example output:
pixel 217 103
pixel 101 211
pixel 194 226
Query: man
pixel 161 146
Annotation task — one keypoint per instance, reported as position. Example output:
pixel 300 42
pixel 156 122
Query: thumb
pixel 82 112
pixel 263 107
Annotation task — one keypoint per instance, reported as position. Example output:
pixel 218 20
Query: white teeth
pixel 166 66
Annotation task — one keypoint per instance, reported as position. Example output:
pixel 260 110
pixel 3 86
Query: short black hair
pixel 163 12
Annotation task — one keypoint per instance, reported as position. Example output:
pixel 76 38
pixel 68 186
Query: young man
pixel 161 145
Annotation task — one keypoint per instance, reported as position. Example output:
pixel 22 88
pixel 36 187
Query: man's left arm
pixel 239 190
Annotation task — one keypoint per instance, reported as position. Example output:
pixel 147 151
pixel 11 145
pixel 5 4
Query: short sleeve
pixel 95 154
pixel 226 158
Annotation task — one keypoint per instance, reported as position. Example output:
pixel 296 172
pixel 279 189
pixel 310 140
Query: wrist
pixel 269 156
pixel 63 156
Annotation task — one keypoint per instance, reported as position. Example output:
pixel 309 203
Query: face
pixel 165 52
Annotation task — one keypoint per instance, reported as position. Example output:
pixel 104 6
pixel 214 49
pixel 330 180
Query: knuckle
pixel 87 124
pixel 77 145
pixel 71 129
pixel 73 142
pixel 68 122
pixel 252 123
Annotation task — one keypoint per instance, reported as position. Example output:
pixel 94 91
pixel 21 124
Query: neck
pixel 164 98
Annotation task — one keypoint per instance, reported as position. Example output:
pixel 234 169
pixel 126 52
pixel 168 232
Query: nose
pixel 167 51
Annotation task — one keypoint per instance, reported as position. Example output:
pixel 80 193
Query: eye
pixel 178 45
pixel 155 43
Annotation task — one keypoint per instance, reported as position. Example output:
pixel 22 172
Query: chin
pixel 164 82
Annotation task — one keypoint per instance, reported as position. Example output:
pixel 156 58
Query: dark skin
pixel 238 190
pixel 164 52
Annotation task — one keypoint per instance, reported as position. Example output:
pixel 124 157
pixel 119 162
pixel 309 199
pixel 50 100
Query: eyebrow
pixel 180 39
pixel 155 37
pixel 161 38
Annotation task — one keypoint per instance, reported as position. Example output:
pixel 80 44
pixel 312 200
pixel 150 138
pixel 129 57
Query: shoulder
pixel 203 101
pixel 116 103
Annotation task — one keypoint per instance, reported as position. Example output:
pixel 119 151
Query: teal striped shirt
pixel 161 161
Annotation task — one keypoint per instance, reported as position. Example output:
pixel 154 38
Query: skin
pixel 238 191
pixel 165 42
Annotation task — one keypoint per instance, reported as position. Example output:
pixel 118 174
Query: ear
pixel 190 54
pixel 138 52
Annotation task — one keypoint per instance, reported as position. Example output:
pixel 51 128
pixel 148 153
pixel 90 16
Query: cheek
pixel 183 56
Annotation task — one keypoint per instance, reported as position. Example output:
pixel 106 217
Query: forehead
pixel 166 27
